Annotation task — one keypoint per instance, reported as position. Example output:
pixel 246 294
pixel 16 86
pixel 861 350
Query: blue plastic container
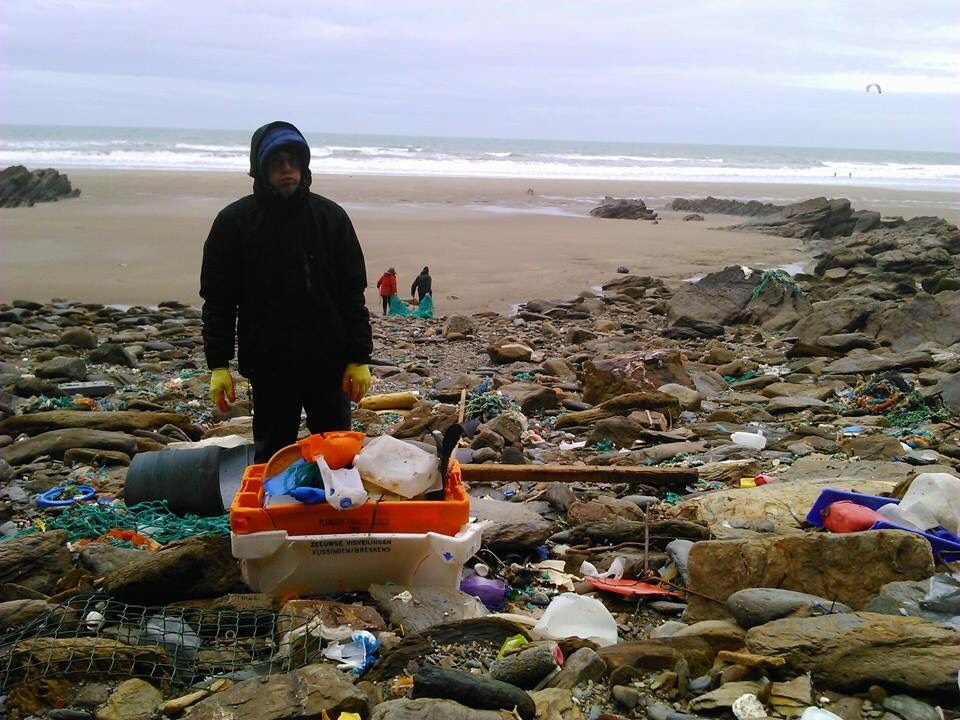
pixel 828 496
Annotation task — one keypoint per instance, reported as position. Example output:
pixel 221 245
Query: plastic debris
pixel 357 655
pixel 571 615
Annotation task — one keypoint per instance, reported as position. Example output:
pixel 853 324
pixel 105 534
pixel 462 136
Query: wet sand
pixel 136 237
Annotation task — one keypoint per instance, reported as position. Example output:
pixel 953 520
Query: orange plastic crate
pixel 248 514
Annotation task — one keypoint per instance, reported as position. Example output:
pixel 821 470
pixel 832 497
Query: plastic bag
pixel 933 499
pixel 357 655
pixel 302 473
pixel 588 569
pixel 491 591
pixel 572 615
pixel 398 307
pixel 943 594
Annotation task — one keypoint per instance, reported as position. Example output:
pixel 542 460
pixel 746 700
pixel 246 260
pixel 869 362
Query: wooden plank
pixel 655 476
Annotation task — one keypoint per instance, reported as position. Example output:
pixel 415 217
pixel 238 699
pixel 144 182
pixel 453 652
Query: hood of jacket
pixel 261 185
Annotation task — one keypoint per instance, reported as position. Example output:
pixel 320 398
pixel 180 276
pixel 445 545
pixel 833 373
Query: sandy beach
pixel 135 237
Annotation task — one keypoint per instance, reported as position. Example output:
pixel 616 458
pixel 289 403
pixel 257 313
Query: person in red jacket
pixel 388 287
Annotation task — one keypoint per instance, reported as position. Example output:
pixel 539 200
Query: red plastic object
pixel 763 479
pixel 630 587
pixel 846 516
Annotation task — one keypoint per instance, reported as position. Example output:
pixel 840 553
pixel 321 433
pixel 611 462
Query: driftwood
pixel 621 531
pixel 654 476
pixel 117 420
pixel 622 405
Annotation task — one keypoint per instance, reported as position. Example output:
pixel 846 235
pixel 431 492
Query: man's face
pixel 284 172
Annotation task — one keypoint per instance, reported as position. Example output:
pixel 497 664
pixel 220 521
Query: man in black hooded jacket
pixel 283 273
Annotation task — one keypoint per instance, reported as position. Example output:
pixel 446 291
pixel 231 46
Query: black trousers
pixel 385 299
pixel 278 399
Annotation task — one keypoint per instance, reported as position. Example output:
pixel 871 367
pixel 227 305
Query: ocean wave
pixel 770 165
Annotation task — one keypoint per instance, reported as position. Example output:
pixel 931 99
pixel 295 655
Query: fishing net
pixel 898 399
pixel 398 307
pixel 91 636
pixel 776 278
pixel 153 520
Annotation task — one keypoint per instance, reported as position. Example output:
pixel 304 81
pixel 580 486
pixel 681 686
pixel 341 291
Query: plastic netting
pixel 778 278
pixel 93 636
pixel 399 308
pixel 151 519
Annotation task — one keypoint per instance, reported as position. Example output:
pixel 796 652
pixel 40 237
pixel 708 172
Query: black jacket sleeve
pixel 220 279
pixel 353 308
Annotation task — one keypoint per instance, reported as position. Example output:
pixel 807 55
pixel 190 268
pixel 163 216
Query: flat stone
pixel 133 699
pixel 756 606
pixel 849 568
pixel 862 364
pixel 796 404
pixel 427 606
pixel 56 443
pixel 102 559
pixel 113 420
pixel 910 708
pixel 434 709
pixel 303 693
pixel 853 651
pixel 69 368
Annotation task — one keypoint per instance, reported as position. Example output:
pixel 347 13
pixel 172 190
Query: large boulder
pixel 36 562
pixel 623 209
pixel 636 372
pixel 57 443
pixel 738 294
pixel 22 187
pixel 782 506
pixel 868 363
pixel 723 206
pixel 198 567
pixel 849 568
pixel 834 317
pixel 924 318
pixel 817 217
pixel 853 651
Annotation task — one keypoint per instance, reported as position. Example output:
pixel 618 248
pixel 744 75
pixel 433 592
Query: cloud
pixel 612 70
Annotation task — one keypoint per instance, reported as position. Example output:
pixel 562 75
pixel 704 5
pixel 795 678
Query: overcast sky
pixel 724 71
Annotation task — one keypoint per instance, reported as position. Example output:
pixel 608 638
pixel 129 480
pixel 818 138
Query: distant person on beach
pixel 422 285
pixel 388 287
pixel 283 275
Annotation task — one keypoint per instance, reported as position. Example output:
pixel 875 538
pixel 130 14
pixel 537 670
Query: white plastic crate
pixel 276 563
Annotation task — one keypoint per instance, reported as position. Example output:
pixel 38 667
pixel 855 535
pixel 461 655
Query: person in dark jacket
pixel 283 275
pixel 422 284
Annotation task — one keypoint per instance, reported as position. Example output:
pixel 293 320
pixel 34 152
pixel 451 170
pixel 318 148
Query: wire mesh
pixel 94 636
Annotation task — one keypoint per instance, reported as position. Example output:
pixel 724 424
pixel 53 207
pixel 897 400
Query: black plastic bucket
pixel 201 481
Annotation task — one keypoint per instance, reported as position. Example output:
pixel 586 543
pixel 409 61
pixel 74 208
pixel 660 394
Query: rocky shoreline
pixel 851 374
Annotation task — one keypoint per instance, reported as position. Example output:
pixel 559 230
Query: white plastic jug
pixel 342 488
pixel 933 499
pixel 397 466
pixel 751 440
pixel 572 615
